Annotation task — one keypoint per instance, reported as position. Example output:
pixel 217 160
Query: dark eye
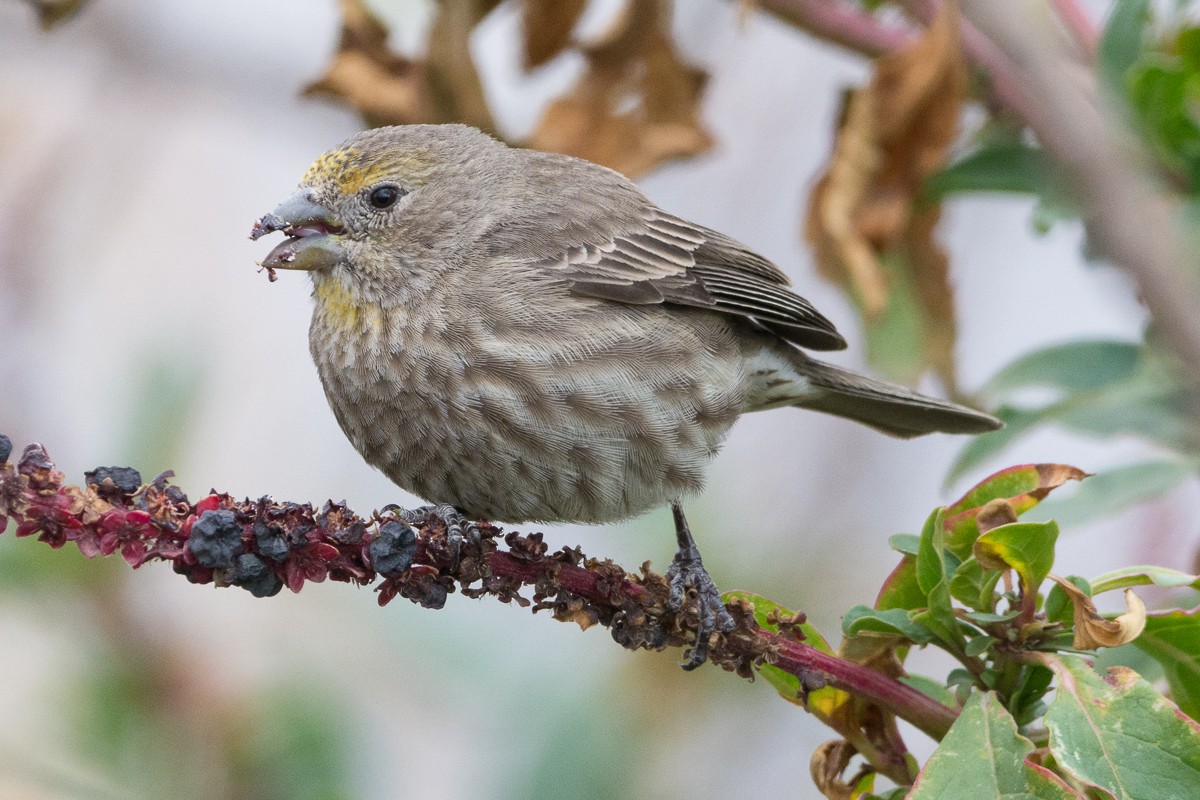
pixel 384 196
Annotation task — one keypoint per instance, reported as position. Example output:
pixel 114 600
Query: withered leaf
pixel 995 513
pixel 386 88
pixel 389 89
pixel 546 27
pixel 1093 630
pixel 637 103
pixel 866 207
pixel 826 766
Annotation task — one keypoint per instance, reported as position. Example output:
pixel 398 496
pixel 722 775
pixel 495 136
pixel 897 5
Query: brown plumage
pixel 526 337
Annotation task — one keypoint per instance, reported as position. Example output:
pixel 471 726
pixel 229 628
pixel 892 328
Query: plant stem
pixel 842 23
pixel 904 701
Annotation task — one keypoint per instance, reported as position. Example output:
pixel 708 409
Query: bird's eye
pixel 387 195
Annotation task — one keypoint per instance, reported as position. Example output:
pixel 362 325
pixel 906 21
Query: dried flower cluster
pixel 263 545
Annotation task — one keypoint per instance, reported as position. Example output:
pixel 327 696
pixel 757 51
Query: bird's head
pixel 386 203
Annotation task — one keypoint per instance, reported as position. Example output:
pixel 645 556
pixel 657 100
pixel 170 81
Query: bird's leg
pixel 687 573
pixel 457 525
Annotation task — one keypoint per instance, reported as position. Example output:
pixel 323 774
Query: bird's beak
pixel 311 228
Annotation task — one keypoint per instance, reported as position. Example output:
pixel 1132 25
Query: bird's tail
pixel 884 406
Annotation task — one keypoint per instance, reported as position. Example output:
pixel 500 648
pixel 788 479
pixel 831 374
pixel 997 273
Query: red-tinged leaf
pixel 293 575
pixel 1021 487
pixel 1116 733
pixel 134 553
pixel 210 503
pixel 326 551
pixel 824 703
pixel 900 588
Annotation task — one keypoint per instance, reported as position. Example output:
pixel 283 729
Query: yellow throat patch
pixel 342 310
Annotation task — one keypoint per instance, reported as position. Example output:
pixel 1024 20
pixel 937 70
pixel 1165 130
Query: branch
pixel 843 23
pixel 263 545
pixel 1037 55
pixel 1134 222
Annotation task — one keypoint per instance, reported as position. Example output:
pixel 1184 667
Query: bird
pixel 525 337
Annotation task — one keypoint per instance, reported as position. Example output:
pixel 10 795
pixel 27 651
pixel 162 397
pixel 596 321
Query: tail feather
pixel 884 406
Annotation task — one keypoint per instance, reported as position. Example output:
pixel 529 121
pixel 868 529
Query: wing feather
pixel 667 259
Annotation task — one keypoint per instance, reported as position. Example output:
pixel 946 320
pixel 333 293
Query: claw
pixel 458 527
pixel 687 575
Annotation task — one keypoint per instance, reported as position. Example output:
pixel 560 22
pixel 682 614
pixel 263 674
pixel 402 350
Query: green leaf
pixel 973 586
pixel 934 567
pixel 895 337
pixel 1072 367
pixel 906 543
pixel 930 688
pixel 1058 607
pixel 1002 167
pixel 1116 733
pixel 1026 703
pixel 1143 398
pixel 1027 547
pixel 931 552
pixel 1109 492
pixel 983 618
pixel 1142 576
pixel 983 756
pixel 1173 640
pixel 894 621
pixel 978 645
pixel 1162 90
pixel 1122 42
pixel 1022 487
pixel 900 588
pixel 822 702
pixel 939 619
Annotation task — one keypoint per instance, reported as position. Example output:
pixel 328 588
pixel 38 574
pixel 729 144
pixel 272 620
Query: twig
pixel 263 545
pixel 841 22
pixel 1132 220
pixel 1079 24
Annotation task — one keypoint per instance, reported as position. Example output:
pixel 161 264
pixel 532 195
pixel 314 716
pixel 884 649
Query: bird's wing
pixel 670 260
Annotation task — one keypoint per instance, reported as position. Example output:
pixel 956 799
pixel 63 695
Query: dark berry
pixel 5 448
pixel 216 539
pixel 270 540
pixel 252 574
pixel 126 480
pixel 393 548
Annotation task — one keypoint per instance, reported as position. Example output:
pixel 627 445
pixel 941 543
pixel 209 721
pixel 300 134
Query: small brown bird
pixel 525 337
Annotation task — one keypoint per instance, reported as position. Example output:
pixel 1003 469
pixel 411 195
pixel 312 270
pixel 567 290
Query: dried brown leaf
pixel 995 513
pixel 389 89
pixel 1093 630
pixel 826 766
pixel 892 135
pixel 546 26
pixel 386 88
pixel 637 103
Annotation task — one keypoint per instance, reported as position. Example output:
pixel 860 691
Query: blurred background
pixel 138 142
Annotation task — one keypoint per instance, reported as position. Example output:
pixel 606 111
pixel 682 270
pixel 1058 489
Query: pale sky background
pixel 137 145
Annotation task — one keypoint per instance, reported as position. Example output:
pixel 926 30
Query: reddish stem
pixel 841 23
pixel 797 658
pixel 1079 24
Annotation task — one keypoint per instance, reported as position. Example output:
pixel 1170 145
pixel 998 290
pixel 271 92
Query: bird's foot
pixel 688 578
pixel 458 527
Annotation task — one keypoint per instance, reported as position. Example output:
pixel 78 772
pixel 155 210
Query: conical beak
pixel 312 229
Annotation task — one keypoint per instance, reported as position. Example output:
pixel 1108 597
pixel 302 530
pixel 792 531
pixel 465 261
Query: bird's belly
pixel 515 440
